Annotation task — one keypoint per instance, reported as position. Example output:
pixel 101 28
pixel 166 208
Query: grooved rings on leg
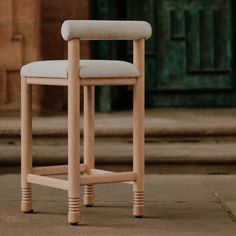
pixel 88 190
pixel 74 204
pixel 26 194
pixel 139 198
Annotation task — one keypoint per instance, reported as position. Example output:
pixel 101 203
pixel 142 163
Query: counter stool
pixel 74 73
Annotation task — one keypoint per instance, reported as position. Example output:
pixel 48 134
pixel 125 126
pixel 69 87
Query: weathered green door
pixel 189 59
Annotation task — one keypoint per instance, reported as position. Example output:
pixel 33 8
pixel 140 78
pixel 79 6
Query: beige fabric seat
pixel 88 69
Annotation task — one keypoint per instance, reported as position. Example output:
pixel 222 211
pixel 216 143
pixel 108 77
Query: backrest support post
pixel 138 115
pixel 73 117
pixel 139 55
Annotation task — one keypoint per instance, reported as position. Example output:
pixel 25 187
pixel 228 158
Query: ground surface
pixel 175 205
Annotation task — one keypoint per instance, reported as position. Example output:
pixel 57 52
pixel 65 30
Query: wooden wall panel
pixel 19 44
pixel 30 30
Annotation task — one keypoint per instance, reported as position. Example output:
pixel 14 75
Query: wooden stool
pixel 88 73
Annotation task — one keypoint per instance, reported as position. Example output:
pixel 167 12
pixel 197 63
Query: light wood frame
pixel 37 175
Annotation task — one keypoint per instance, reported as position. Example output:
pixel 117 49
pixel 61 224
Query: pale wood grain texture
pixel 89 134
pixel 108 178
pixel 26 144
pixel 84 180
pixel 55 170
pixel 99 172
pixel 138 128
pixel 48 181
pixel 73 131
pixel 47 81
pixel 83 82
pixel 91 176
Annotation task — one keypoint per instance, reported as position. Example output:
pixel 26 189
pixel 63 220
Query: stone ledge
pixel 197 158
pixel 163 123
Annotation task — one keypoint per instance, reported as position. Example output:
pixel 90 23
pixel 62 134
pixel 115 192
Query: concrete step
pixel 163 125
pixel 177 140
pixel 162 158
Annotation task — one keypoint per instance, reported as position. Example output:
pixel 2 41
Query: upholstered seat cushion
pixel 88 69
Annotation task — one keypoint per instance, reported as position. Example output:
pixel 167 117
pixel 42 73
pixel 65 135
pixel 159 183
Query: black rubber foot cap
pixel 29 212
pixel 74 224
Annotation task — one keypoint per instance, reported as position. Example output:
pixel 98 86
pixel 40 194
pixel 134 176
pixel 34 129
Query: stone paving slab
pixel 221 186
pixel 176 205
pixel 174 219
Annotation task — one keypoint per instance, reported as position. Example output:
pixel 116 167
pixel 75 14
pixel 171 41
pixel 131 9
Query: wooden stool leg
pixel 138 130
pixel 26 144
pixel 89 109
pixel 73 132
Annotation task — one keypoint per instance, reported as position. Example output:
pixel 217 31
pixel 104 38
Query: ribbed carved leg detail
pixel 138 205
pixel 26 200
pixel 73 214
pixel 88 195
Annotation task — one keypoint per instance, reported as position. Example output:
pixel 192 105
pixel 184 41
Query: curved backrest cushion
pixel 105 30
